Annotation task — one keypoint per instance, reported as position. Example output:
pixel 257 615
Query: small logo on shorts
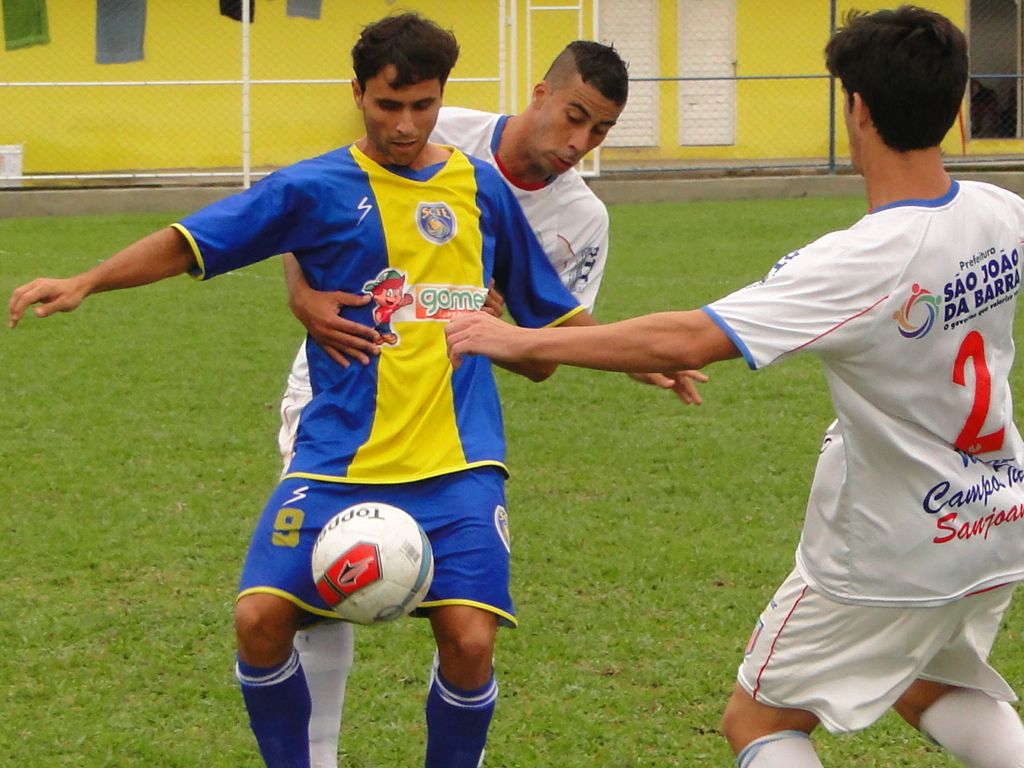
pixel 752 642
pixel 501 523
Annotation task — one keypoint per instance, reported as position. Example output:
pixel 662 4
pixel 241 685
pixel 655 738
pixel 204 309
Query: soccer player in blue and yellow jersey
pixel 424 229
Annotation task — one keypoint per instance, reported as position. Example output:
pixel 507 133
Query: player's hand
pixel 344 340
pixel 680 382
pixel 494 304
pixel 481 333
pixel 50 294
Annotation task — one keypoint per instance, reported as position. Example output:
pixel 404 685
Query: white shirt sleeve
pixel 818 299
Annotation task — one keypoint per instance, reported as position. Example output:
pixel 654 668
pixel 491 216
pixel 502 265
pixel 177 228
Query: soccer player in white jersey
pixel 536 151
pixel 913 536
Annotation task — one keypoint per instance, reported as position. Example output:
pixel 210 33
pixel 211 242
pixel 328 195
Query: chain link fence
pixel 128 92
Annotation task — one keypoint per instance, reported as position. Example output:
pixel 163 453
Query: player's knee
pixel 468 649
pixel 465 644
pixel 265 627
pixel 466 660
pixel 746 720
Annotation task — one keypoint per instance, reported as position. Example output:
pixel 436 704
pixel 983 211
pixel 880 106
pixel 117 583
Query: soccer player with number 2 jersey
pixel 913 534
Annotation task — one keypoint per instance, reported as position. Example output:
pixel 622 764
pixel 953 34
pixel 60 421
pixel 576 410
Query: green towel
pixel 25 23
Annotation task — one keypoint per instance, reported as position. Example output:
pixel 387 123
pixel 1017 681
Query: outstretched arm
pixel 536 370
pixel 344 340
pixel 665 342
pixel 165 253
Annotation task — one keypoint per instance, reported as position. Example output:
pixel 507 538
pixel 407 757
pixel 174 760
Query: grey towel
pixel 120 29
pixel 306 9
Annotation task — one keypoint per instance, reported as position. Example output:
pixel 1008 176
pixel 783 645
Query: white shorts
pixel 847 664
pixel 296 397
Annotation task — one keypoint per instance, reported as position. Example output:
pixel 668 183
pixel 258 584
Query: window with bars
pixel 994 33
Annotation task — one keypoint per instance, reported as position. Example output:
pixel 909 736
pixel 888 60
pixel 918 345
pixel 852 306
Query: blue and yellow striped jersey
pixel 424 244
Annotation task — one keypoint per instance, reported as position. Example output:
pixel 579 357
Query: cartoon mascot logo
pixel 388 292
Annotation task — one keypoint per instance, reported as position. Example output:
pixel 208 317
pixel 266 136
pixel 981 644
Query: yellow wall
pixel 138 127
pixel 775 118
pixel 87 129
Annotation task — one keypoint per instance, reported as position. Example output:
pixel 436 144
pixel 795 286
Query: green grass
pixel 139 446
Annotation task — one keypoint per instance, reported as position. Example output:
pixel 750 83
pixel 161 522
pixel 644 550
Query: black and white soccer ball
pixel 372 563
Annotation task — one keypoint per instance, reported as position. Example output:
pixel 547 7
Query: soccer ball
pixel 372 563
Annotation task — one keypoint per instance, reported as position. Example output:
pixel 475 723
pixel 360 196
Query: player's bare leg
pixel 465 643
pixel 273 684
pixel 972 726
pixel 463 691
pixel 768 737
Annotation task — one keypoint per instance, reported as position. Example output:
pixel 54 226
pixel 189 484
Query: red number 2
pixel 971 440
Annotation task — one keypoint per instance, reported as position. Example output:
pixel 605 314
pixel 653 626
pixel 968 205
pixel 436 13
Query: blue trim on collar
pixel 936 202
pixel 496 136
pixel 423 174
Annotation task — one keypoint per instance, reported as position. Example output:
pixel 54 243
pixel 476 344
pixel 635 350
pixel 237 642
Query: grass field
pixel 139 446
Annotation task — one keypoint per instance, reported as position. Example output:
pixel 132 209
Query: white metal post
pixel 595 24
pixel 502 54
pixel 246 84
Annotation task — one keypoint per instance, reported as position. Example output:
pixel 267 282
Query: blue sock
pixel 279 707
pixel 457 723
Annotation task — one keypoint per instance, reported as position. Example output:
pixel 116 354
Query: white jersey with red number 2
pixel 918 495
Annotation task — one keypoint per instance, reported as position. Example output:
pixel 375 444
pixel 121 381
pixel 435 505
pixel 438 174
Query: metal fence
pixel 123 92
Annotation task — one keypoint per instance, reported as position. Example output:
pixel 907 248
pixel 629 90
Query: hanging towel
pixel 25 23
pixel 120 29
pixel 306 9
pixel 233 8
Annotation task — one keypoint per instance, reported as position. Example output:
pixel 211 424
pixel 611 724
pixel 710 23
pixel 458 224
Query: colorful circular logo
pixel 905 317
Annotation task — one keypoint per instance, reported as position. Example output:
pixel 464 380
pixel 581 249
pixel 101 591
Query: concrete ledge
pixel 611 189
pixel 655 190
pixel 87 202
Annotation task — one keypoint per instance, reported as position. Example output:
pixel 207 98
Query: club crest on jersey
pixel 917 327
pixel 436 222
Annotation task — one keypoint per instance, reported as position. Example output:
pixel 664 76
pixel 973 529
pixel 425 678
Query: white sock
pixel 785 749
pixel 326 650
pixel 976 729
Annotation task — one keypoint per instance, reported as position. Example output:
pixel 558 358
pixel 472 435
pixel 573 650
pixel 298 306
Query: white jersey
pixel 570 221
pixel 918 495
pixel 567 217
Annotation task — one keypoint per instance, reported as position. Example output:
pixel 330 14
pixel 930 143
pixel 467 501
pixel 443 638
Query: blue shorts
pixel 463 515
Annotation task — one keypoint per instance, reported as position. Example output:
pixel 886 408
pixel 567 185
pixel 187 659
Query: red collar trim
pixel 516 182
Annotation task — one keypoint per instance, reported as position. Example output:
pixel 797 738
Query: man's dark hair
pixel 417 47
pixel 909 66
pixel 598 65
